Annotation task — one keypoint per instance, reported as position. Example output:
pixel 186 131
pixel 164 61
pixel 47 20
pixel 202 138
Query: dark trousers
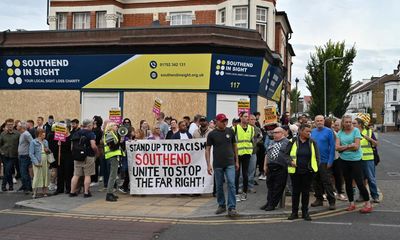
pixel 16 169
pixel 260 158
pixel 352 170
pixel 276 182
pixel 8 168
pixel 244 162
pixel 95 177
pixel 338 175
pixel 64 175
pixel 323 183
pixel 105 170
pixel 301 184
pixel 24 164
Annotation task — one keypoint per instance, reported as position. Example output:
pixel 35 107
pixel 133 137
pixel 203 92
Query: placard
pixel 60 132
pixel 157 106
pixel 270 115
pixel 168 167
pixel 115 115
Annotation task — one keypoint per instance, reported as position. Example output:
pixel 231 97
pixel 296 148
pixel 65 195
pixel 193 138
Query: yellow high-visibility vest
pixel 244 140
pixel 293 156
pixel 107 152
pixel 368 153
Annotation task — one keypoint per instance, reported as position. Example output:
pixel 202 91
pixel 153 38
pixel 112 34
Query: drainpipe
pixel 48 12
pixel 248 14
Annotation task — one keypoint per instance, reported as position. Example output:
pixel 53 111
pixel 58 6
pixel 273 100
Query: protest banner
pixel 157 106
pixel 60 132
pixel 270 115
pixel 115 115
pixel 243 106
pixel 168 167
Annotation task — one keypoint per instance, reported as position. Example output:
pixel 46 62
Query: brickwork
pixel 205 17
pixel 137 20
pixel 92 20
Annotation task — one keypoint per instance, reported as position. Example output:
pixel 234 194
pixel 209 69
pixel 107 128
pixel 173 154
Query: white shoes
pixel 262 177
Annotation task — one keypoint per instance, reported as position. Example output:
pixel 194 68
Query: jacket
pixel 35 150
pixel 291 153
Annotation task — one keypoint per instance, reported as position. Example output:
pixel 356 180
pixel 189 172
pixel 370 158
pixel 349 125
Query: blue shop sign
pixel 230 73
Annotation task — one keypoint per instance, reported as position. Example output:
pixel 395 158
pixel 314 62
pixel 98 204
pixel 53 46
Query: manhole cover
pixel 393 174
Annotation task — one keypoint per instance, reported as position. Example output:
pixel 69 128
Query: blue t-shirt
pixel 326 144
pixel 346 139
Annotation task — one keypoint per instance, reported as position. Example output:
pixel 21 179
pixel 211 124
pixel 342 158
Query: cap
pixel 221 117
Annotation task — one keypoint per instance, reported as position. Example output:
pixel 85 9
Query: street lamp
pixel 297 100
pixel 327 60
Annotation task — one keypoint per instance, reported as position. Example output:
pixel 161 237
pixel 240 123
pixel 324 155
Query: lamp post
pixel 327 60
pixel 297 100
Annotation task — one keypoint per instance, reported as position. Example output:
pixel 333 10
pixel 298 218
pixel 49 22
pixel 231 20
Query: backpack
pixel 79 148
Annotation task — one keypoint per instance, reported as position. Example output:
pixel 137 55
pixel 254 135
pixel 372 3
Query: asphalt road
pixel 383 223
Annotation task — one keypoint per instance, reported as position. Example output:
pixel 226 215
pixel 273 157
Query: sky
pixel 371 26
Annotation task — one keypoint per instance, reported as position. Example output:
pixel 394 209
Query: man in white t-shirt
pixel 195 124
pixel 182 133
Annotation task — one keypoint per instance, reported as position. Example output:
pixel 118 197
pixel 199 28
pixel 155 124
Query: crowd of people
pixel 305 156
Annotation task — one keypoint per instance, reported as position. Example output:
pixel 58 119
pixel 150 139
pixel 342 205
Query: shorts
pixel 85 168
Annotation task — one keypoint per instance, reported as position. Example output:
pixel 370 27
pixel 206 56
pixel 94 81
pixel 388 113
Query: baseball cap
pixel 221 117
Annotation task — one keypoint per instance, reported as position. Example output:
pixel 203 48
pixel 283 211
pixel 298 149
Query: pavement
pixel 164 206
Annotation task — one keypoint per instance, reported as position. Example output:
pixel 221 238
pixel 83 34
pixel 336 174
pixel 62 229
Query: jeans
pixel 24 163
pixel 369 174
pixel 229 173
pixel 104 170
pixel 8 168
pixel 323 183
pixel 352 170
pixel 252 170
pixel 114 161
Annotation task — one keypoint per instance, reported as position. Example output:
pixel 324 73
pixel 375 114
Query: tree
pixel 338 78
pixel 294 100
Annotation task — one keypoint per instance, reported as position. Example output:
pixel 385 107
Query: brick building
pixel 103 54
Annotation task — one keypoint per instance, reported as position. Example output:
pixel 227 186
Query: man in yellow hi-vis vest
pixel 244 134
pixel 112 153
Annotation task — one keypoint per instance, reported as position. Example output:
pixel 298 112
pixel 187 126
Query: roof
pixel 284 15
pixel 176 38
pixel 370 85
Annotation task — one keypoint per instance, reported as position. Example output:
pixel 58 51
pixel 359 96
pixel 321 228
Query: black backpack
pixel 79 147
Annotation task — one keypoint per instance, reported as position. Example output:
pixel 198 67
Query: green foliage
pixel 294 100
pixel 338 78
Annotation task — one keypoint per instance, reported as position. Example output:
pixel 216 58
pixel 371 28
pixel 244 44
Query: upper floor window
pixel 222 16
pixel 119 20
pixel 61 21
pixel 261 22
pixel 394 94
pixel 181 18
pixel 101 19
pixel 81 20
pixel 240 17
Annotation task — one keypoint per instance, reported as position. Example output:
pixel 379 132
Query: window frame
pixel 220 11
pixel 240 22
pixel 58 14
pixel 98 19
pixel 262 23
pixel 85 20
pixel 394 97
pixel 181 15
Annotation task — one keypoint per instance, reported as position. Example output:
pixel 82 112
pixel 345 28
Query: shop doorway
pixel 228 104
pixel 99 103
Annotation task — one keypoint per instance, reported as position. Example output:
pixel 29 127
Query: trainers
pixel 317 203
pixel 375 200
pixel 232 213
pixel 220 210
pixel 94 184
pixel 293 216
pixel 14 180
pixel 123 190
pixel 341 197
pixel 262 177
pixel 325 197
pixel 366 209
pixel 243 197
pixel 237 198
pixel 352 207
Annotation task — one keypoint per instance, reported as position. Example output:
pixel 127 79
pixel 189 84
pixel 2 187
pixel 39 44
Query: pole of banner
pixel 59 154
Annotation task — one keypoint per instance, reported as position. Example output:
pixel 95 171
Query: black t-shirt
pixel 303 157
pixel 89 136
pixel 222 142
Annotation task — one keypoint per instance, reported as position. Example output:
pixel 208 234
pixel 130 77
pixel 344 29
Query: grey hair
pixel 87 122
pixel 23 125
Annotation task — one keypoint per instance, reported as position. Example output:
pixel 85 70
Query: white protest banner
pixel 168 167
